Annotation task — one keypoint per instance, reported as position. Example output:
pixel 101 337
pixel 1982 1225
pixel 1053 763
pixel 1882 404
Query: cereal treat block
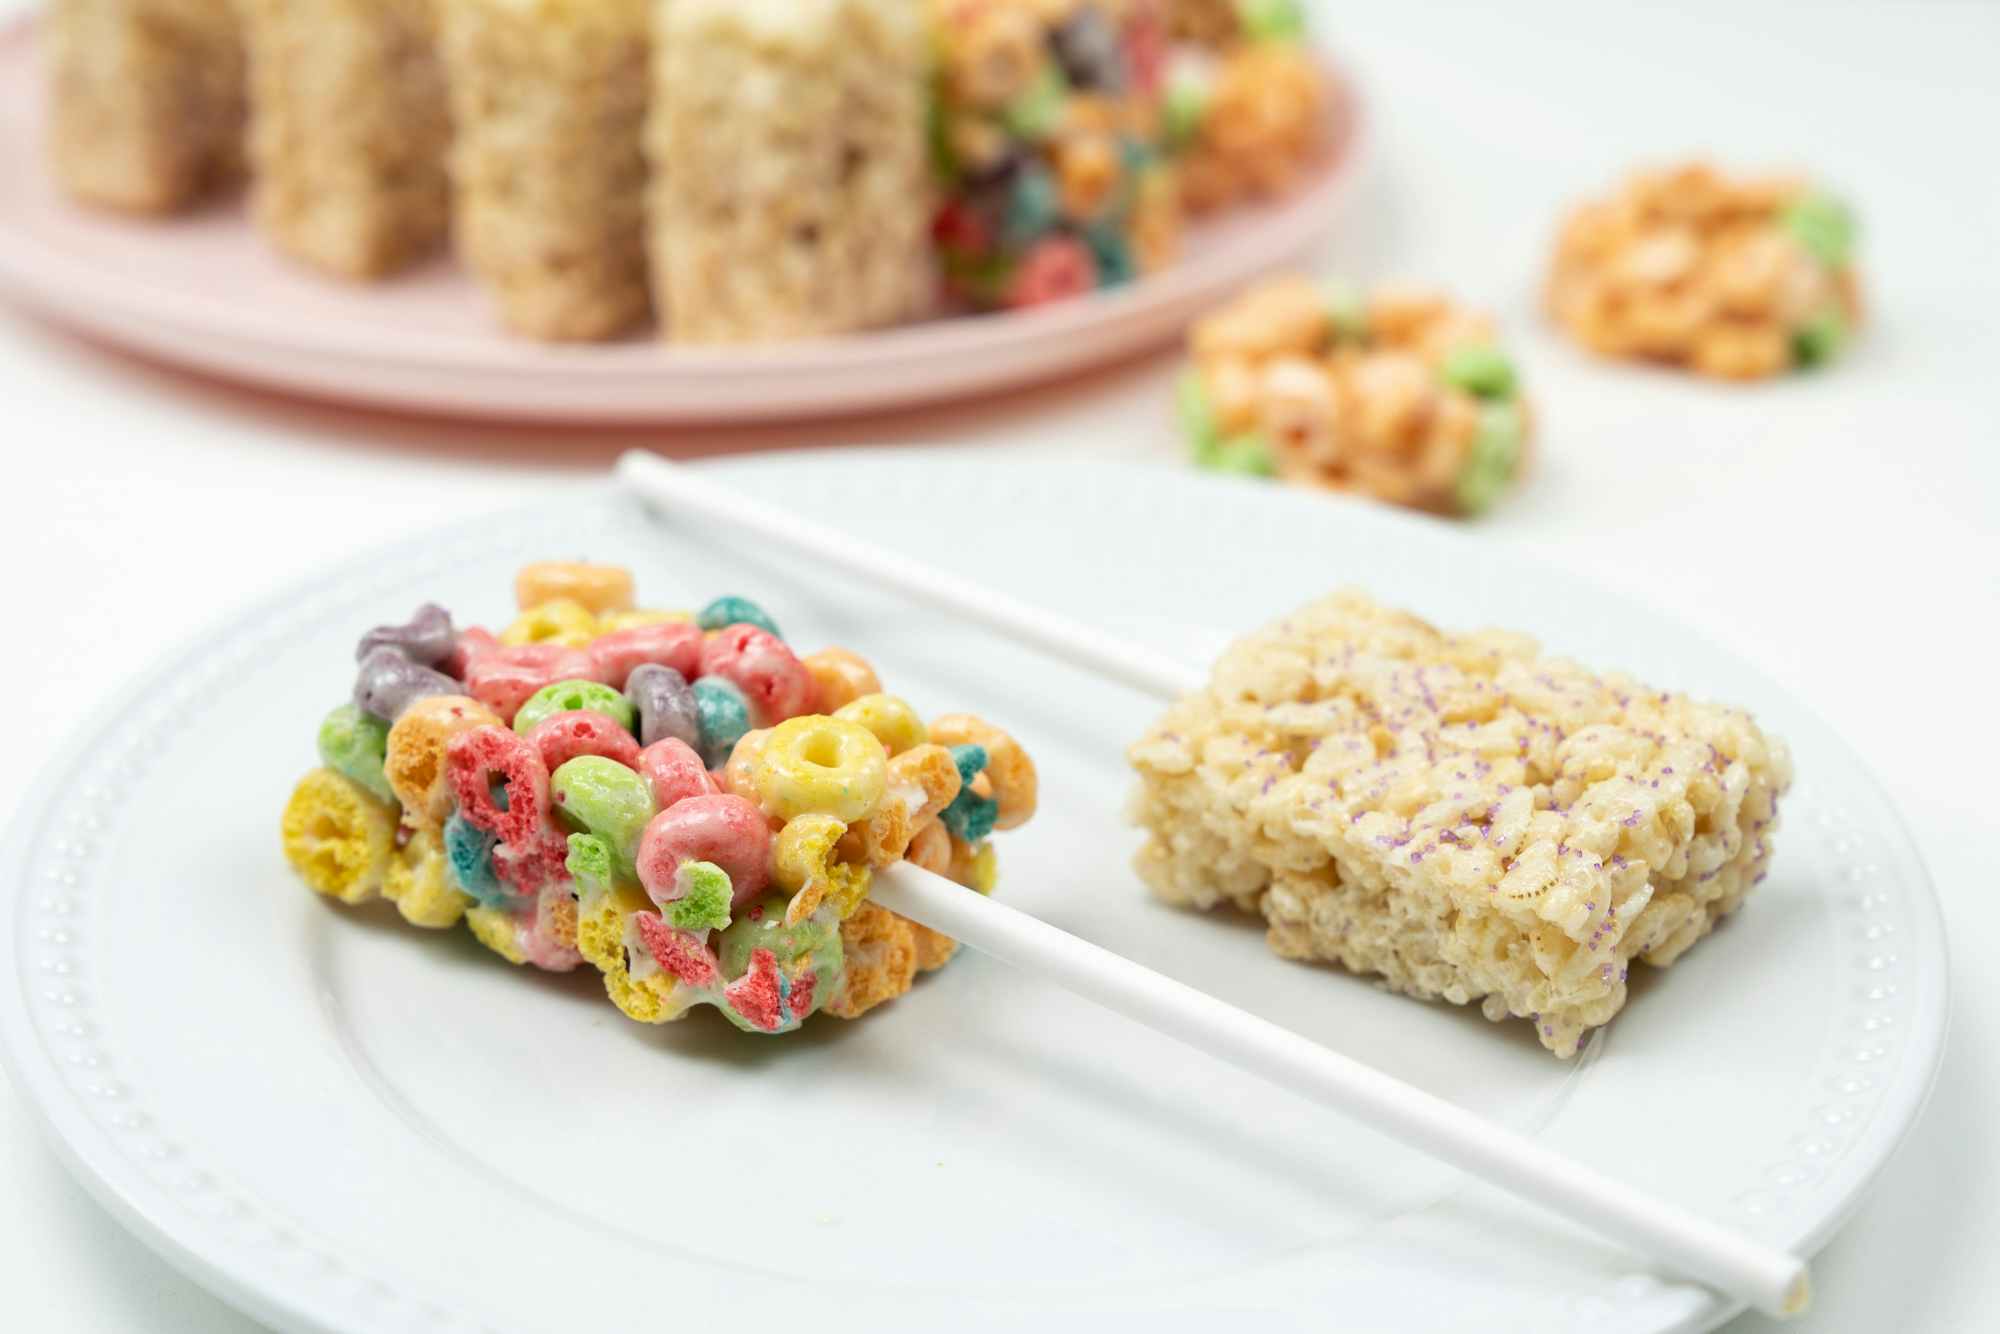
pixel 1047 140
pixel 1456 813
pixel 675 798
pixel 146 100
pixel 1244 117
pixel 348 131
pixel 1740 279
pixel 548 101
pixel 790 189
pixel 1400 396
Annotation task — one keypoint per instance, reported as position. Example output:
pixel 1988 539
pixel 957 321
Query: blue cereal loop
pixel 469 852
pixel 970 816
pixel 723 715
pixel 732 610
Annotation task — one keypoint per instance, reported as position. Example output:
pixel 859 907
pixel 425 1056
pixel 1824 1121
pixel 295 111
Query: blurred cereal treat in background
pixel 1246 100
pixel 791 193
pixel 1402 396
pixel 146 100
pixel 548 102
pixel 349 131
pixel 1737 278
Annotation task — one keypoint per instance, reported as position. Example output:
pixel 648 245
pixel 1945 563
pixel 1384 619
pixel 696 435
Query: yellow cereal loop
pixel 1012 773
pixel 600 925
pixel 337 836
pixel 415 758
pixel 417 883
pixel 820 765
pixel 561 621
pixel 894 723
pixel 739 774
pixel 974 865
pixel 804 864
pixel 626 620
pixel 840 677
pixel 494 928
pixel 596 588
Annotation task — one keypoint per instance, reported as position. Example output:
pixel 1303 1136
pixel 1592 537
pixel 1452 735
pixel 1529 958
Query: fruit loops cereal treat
pixel 1456 813
pixel 549 180
pixel 1046 136
pixel 1244 116
pixel 348 131
pixel 1400 396
pixel 146 100
pixel 790 193
pixel 676 798
pixel 1734 278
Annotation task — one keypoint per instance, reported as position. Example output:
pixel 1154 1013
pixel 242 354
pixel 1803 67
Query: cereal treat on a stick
pixel 791 194
pixel 1047 139
pixel 1737 278
pixel 1245 116
pixel 1456 813
pixel 348 131
pixel 548 101
pixel 675 798
pixel 1401 396
pixel 146 100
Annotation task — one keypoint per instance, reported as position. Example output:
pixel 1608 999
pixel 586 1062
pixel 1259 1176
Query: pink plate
pixel 203 291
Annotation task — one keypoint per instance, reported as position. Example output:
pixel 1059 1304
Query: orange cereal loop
pixel 415 757
pixel 599 588
pixel 881 955
pixel 1087 170
pixel 1008 768
pixel 934 948
pixel 338 836
pixel 418 884
pixel 1741 351
pixel 930 849
pixel 840 676
pixel 922 781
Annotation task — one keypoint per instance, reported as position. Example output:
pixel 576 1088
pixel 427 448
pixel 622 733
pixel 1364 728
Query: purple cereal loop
pixel 665 703
pixel 388 683
pixel 427 638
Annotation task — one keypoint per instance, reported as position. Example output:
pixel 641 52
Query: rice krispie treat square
pixel 548 103
pixel 348 131
pixel 791 193
pixel 1456 813
pixel 146 100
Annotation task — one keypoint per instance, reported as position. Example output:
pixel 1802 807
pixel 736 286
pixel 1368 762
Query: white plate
pixel 345 1124
pixel 204 291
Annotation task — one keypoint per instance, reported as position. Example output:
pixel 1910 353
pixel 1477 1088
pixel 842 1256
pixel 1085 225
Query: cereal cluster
pixel 1245 110
pixel 1740 279
pixel 1456 813
pixel 1047 141
pixel 1401 396
pixel 676 798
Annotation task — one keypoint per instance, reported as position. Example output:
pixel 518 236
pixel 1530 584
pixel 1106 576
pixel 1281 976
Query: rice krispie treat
pixel 675 798
pixel 548 102
pixel 1456 813
pixel 146 100
pixel 791 192
pixel 348 131
pixel 1047 143
pixel 1738 278
pixel 1221 23
pixel 1244 117
pixel 1401 396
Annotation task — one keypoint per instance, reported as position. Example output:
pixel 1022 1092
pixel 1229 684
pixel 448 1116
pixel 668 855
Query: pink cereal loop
pixel 768 673
pixel 681 953
pixel 503 678
pixel 723 829
pixel 563 736
pixel 484 756
pixel 473 643
pixel 758 995
pixel 675 644
pixel 675 772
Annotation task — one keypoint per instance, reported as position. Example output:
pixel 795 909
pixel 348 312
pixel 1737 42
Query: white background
pixel 1839 530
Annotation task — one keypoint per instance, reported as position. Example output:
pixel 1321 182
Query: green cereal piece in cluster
pixel 602 797
pixel 731 610
pixel 1196 411
pixel 1823 225
pixel 1814 343
pixel 1496 454
pixel 1480 369
pixel 565 696
pixel 703 904
pixel 1346 311
pixel 1183 109
pixel 590 864
pixel 1271 20
pixel 1245 455
pixel 763 928
pixel 1036 113
pixel 354 744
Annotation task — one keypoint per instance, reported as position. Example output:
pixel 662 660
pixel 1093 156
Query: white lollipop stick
pixel 1769 1279
pixel 672 487
pixel 1772 1280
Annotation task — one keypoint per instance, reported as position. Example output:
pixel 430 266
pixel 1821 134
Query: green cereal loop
pixel 1346 311
pixel 1496 453
pixel 731 610
pixel 1823 225
pixel 763 928
pixel 1480 369
pixel 1246 455
pixel 1818 340
pixel 602 797
pixel 1271 20
pixel 1182 111
pixel 703 904
pixel 353 744
pixel 1197 413
pixel 565 696
pixel 589 864
pixel 1035 114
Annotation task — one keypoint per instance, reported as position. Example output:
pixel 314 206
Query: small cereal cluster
pixel 1400 396
pixel 1245 109
pixel 674 797
pixel 1047 139
pixel 1455 812
pixel 1740 279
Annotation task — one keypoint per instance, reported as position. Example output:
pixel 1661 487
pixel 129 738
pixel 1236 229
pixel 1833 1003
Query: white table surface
pixel 1840 531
